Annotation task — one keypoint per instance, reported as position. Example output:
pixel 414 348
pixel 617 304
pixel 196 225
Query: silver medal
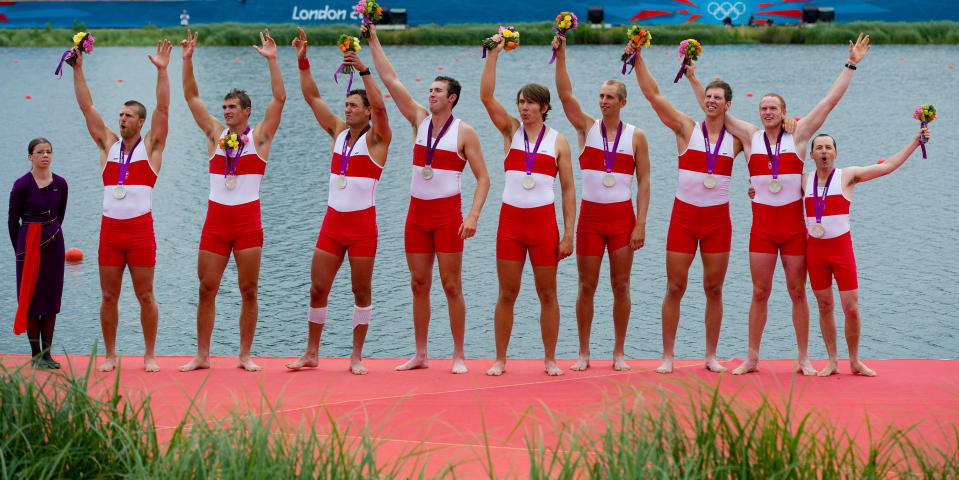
pixel 119 192
pixel 230 182
pixel 609 180
pixel 427 172
pixel 529 182
pixel 775 185
pixel 341 181
pixel 818 230
pixel 709 181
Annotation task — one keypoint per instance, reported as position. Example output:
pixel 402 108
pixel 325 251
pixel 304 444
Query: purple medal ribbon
pixel 67 54
pixel 773 159
pixel 820 205
pixel 922 139
pixel 125 164
pixel 349 86
pixel 430 145
pixel 346 154
pixel 531 156
pixel 629 63
pixel 231 166
pixel 682 69
pixel 608 155
pixel 561 33
pixel 712 156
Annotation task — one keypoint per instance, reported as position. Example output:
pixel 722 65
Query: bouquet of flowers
pixel 510 40
pixel 82 43
pixel 371 13
pixel 565 22
pixel 346 43
pixel 689 51
pixel 925 113
pixel 639 37
pixel 231 141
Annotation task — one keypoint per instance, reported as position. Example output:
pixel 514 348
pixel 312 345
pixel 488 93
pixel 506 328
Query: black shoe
pixel 46 363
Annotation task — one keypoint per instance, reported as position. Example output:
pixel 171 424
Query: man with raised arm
pixel 129 164
pixel 610 153
pixel 775 159
pixel 827 196
pixel 361 140
pixel 700 216
pixel 435 227
pixel 237 162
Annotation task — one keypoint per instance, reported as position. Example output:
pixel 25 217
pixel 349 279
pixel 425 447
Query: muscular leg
pixel 620 268
pixel 827 323
pixel 588 266
pixel 451 274
pixel 322 272
pixel 361 274
pixel 149 313
pixel 248 278
pixel 545 279
pixel 850 308
pixel 111 279
pixel 714 273
pixel 209 267
pixel 421 279
pixel 761 269
pixel 795 268
pixel 510 275
pixel 677 273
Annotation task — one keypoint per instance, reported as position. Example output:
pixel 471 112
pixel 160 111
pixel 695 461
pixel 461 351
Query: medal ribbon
pixel 774 159
pixel 922 139
pixel 231 166
pixel 820 205
pixel 531 156
pixel 430 145
pixel 125 164
pixel 346 154
pixel 610 156
pixel 712 156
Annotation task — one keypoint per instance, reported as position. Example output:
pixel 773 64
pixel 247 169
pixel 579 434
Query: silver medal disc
pixel 609 180
pixel 818 230
pixel 775 185
pixel 341 181
pixel 427 172
pixel 709 181
pixel 230 182
pixel 528 182
pixel 119 192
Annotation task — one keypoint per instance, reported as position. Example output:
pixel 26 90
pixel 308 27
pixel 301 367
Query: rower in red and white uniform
pixel 238 155
pixel 535 155
pixel 361 140
pixel 129 165
pixel 611 152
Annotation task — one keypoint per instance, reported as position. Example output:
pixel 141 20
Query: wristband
pixel 850 66
pixel 366 72
pixel 303 63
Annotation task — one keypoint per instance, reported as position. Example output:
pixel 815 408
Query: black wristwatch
pixel 850 66
pixel 365 72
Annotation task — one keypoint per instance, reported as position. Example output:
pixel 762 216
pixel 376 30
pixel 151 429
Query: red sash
pixel 28 279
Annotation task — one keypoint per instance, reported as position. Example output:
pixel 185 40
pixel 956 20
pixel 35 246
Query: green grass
pixel 50 427
pixel 940 32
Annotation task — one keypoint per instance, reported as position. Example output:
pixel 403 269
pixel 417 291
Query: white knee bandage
pixel 318 315
pixel 361 315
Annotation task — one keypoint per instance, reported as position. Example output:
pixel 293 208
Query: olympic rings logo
pixel 726 9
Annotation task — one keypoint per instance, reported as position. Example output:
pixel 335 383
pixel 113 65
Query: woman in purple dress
pixel 38 202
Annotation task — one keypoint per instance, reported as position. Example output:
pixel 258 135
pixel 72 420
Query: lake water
pixel 904 225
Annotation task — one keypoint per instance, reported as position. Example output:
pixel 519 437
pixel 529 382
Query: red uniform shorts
pixel 433 225
pixel 528 229
pixel 707 227
pixel 604 226
pixel 127 242
pixel 830 257
pixel 231 228
pixel 353 232
pixel 778 229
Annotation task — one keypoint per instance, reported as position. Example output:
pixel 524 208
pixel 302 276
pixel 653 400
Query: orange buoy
pixel 950 67
pixel 417 79
pixel 749 94
pixel 16 61
pixel 439 67
pixel 469 53
pixel 387 95
pixel 28 97
pixel 902 58
pixel 797 119
pixel 119 80
pixel 236 60
pixel 833 46
pixel 881 160
pixel 717 79
pixel 457 59
pixel 74 255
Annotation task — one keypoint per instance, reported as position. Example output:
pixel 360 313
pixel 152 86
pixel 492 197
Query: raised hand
pixel 923 135
pixel 859 49
pixel 268 48
pixel 162 58
pixel 351 58
pixel 187 46
pixel 559 42
pixel 500 43
pixel 299 43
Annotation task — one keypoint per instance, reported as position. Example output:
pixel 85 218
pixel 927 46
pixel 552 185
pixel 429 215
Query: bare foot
pixel 498 368
pixel 551 369
pixel 415 363
pixel 666 366
pixel 805 366
pixel 459 365
pixel 620 365
pixel 196 364
pixel 248 365
pixel 307 360
pixel 831 368
pixel 150 364
pixel 581 364
pixel 713 365
pixel 859 368
pixel 357 368
pixel 108 365
pixel 749 366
